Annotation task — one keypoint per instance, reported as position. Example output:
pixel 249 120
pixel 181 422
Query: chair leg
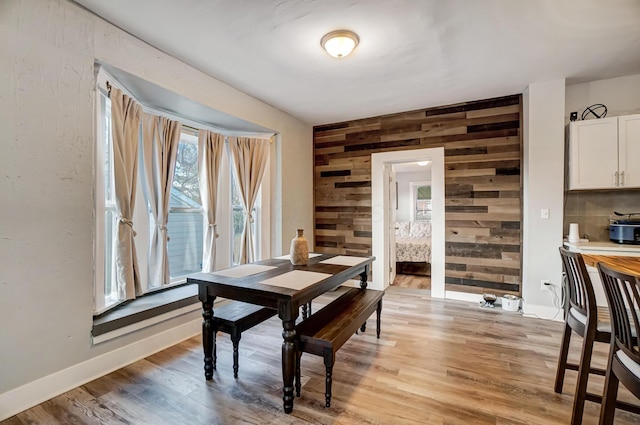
pixel 583 378
pixel 608 409
pixel 562 360
pixel 298 385
pixel 235 339
pixel 378 313
pixel 329 360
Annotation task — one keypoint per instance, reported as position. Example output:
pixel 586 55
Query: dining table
pixel 277 284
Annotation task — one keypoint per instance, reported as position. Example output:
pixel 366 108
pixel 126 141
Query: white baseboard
pixel 28 395
pixel 542 312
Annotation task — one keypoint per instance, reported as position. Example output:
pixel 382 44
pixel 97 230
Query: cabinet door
pixel 629 150
pixel 593 155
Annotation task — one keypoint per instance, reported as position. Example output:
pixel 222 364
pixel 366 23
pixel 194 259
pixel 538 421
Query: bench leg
pixel 298 385
pixel 306 310
pixel 235 339
pixel 378 313
pixel 329 360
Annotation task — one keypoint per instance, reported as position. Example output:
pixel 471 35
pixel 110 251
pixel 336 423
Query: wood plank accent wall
pixel 483 186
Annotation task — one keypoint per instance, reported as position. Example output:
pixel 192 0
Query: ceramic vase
pixel 299 254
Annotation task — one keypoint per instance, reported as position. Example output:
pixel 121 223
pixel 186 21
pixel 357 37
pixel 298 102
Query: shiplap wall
pixel 483 194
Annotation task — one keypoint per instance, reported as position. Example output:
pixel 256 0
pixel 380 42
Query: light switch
pixel 544 213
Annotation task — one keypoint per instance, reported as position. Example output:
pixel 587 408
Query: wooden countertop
pixel 625 264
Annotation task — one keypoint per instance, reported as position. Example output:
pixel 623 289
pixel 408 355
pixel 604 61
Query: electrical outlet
pixel 545 285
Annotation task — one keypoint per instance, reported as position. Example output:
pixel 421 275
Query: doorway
pixel 381 173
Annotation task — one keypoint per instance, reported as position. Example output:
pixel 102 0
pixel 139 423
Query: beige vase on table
pixel 299 253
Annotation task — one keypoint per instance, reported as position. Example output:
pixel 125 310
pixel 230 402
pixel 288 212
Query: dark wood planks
pixel 483 186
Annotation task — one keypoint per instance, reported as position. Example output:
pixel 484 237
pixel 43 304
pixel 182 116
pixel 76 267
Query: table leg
pixel 363 278
pixel 288 357
pixel 207 333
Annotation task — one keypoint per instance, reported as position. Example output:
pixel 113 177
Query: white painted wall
pixel 543 179
pixel 47 54
pixel 621 96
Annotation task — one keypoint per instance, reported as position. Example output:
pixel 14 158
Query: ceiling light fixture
pixel 422 163
pixel 340 43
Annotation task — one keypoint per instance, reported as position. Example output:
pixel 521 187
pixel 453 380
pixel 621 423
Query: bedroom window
pixel 421 201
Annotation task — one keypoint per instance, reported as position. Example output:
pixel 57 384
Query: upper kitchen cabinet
pixel 605 153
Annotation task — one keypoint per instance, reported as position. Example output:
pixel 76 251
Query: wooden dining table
pixel 626 264
pixel 277 284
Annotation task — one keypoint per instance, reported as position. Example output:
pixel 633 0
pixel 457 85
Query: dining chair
pixel 623 295
pixel 581 318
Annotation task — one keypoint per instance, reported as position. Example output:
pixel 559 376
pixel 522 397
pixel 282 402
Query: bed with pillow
pixel 413 247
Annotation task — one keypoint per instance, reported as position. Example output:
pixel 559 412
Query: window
pixel 421 204
pixel 106 291
pixel 185 223
pixel 237 218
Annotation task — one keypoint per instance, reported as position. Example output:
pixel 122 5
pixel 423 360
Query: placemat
pixel 296 279
pixel 243 270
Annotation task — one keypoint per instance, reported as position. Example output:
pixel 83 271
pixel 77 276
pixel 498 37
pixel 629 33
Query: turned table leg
pixel 288 356
pixel 207 333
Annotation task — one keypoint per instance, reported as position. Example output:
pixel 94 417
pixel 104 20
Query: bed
pixel 413 247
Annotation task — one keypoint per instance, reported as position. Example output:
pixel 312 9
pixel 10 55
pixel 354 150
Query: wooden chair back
pixel 623 295
pixel 582 298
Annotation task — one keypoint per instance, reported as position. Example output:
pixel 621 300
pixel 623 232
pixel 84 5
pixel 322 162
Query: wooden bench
pixel 324 332
pixel 234 318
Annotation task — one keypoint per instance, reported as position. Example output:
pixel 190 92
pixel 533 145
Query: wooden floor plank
pixel 437 362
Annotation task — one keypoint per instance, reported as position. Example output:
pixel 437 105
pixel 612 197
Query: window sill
pixel 144 312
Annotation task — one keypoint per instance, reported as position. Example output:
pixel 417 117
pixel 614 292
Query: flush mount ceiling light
pixel 339 43
pixel 422 163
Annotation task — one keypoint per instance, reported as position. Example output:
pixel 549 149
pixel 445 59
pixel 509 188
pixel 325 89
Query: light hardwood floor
pixel 437 362
pixel 412 281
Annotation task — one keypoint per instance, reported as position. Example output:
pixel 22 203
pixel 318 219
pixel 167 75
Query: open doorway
pixel 384 170
pixel 413 214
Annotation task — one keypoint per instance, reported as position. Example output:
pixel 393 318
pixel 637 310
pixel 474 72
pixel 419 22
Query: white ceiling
pixel 412 54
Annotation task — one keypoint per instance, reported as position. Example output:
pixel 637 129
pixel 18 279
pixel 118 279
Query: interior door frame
pixel 380 170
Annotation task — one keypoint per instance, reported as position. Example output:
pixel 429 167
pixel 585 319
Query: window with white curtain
pixel 237 218
pixel 185 224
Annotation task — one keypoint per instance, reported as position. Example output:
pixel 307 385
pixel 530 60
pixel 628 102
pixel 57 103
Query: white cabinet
pixel 629 150
pixel 605 153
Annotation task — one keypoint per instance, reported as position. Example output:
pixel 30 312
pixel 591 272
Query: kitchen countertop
pixel 604 248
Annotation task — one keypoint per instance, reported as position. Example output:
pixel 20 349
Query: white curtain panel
pixel 160 140
pixel 210 147
pixel 125 115
pixel 249 163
